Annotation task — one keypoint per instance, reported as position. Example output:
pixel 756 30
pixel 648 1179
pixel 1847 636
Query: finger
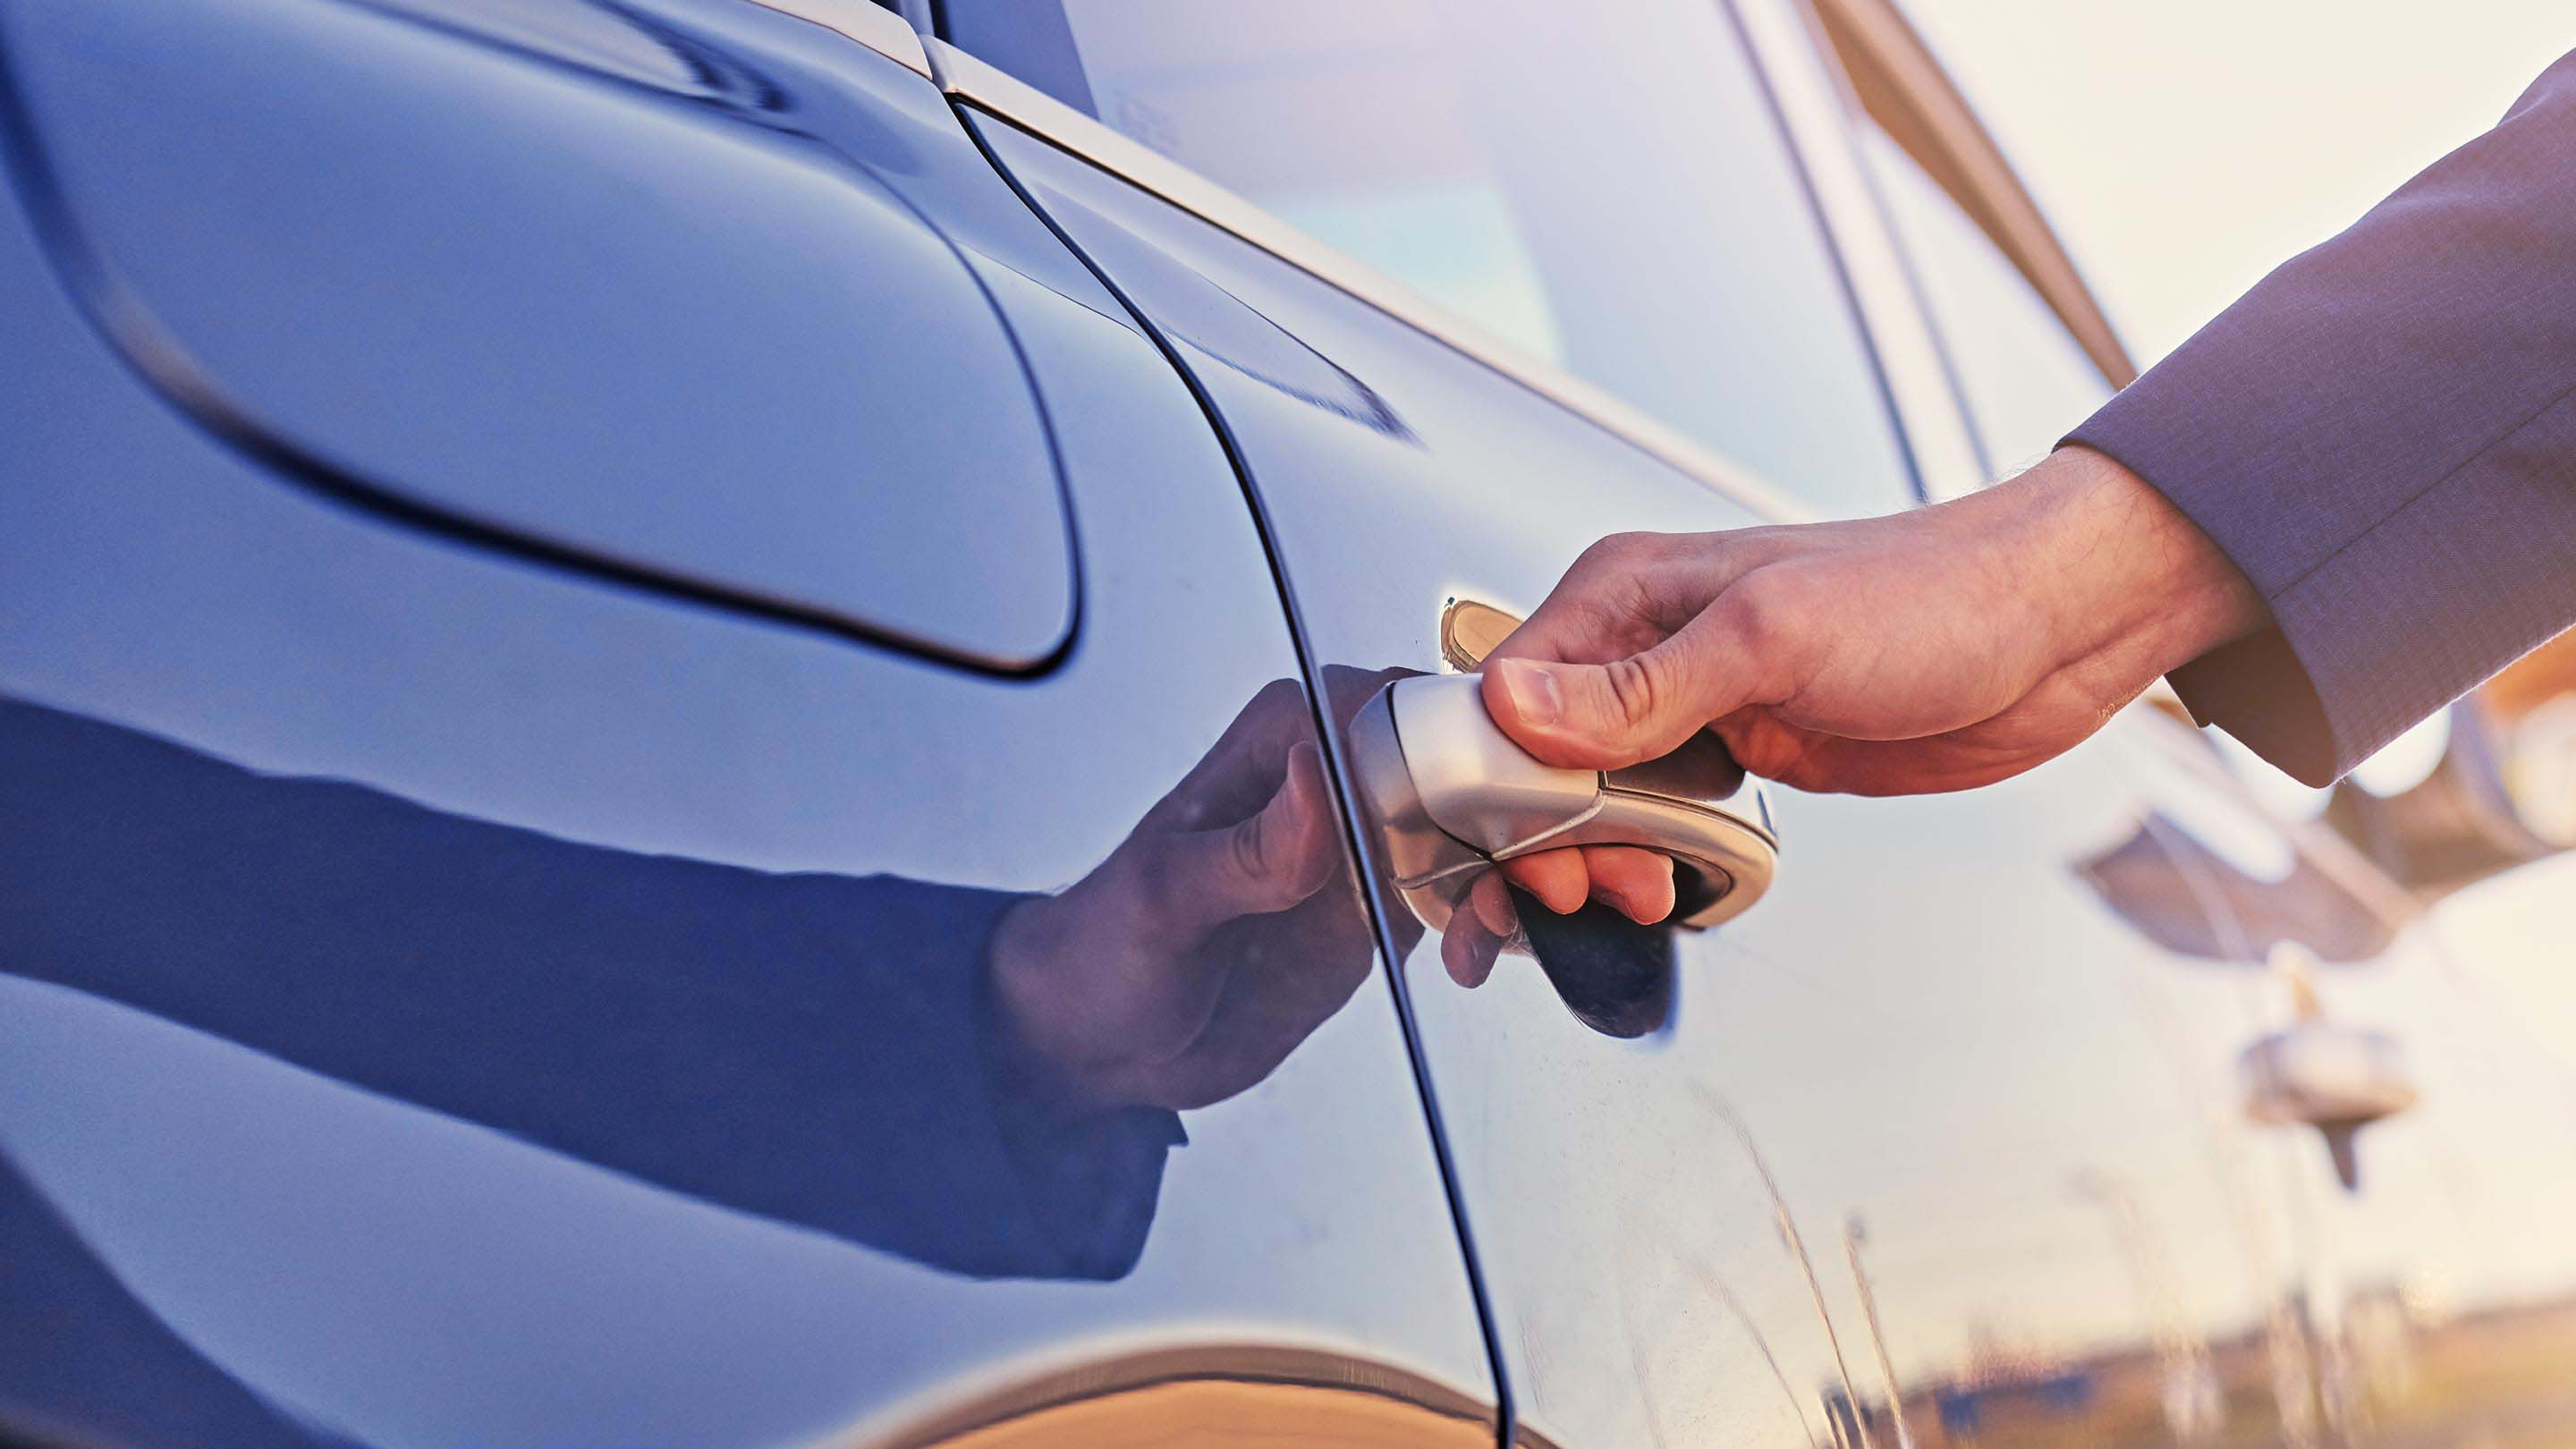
pixel 1557 877
pixel 1636 880
pixel 1602 608
pixel 1468 949
pixel 1242 769
pixel 1824 764
pixel 1492 900
pixel 1348 687
pixel 1198 880
pixel 1630 591
pixel 1606 716
pixel 1458 955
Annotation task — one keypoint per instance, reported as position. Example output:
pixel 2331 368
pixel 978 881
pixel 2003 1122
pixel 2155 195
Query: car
pixel 740 722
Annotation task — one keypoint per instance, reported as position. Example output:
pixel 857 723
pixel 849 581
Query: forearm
pixel 2381 437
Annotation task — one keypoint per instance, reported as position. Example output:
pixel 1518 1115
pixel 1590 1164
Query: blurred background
pixel 2185 148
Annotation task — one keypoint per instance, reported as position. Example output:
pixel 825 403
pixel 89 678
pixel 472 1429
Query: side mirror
pixel 2337 1079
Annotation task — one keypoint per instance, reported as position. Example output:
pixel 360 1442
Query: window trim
pixel 1811 92
pixel 972 82
pixel 1899 86
pixel 864 21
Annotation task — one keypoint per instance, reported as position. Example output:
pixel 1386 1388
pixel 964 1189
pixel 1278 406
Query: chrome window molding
pixel 1895 83
pixel 1790 45
pixel 1007 98
pixel 864 21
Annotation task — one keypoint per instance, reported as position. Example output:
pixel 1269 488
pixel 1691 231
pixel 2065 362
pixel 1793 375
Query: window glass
pixel 2027 382
pixel 1609 191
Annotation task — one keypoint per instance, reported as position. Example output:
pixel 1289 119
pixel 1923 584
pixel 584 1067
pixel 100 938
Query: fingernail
pixel 1533 691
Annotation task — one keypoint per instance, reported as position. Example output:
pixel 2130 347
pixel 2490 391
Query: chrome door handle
pixel 1451 794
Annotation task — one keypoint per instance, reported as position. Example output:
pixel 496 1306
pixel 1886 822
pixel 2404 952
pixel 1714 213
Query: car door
pixel 656 790
pixel 1912 1141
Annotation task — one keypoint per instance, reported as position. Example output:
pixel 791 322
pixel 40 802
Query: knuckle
pixel 1637 689
pixel 1620 548
pixel 1247 853
pixel 1170 875
pixel 1773 634
pixel 1157 887
pixel 1755 617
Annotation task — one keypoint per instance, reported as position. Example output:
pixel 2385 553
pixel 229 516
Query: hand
pixel 1938 649
pixel 1212 941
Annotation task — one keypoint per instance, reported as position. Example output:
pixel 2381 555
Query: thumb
pixel 1607 716
pixel 1274 860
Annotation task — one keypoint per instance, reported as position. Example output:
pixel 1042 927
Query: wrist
pixel 1030 1015
pixel 2138 590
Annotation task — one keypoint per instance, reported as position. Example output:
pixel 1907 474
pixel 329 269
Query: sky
pixel 2185 147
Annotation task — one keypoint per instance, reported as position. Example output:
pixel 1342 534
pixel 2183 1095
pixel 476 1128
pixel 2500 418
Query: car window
pixel 1607 189
pixel 2025 380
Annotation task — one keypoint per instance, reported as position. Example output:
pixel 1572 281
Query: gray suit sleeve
pixel 2382 436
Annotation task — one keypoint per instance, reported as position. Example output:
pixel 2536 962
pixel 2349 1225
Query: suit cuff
pixel 1090 1183
pixel 2387 625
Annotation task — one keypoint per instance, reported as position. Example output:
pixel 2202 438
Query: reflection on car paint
pixel 469 1247
pixel 1221 327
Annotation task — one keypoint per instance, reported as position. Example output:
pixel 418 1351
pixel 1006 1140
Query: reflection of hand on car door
pixel 1192 960
pixel 840 1052
pixel 1222 930
pixel 889 1061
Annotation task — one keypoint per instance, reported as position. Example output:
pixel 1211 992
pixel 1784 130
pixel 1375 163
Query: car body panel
pixel 466 978
pixel 430 318
pixel 414 944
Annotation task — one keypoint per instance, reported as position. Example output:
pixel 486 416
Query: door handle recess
pixel 1451 794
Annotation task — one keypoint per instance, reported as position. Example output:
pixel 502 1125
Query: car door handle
pixel 1451 794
